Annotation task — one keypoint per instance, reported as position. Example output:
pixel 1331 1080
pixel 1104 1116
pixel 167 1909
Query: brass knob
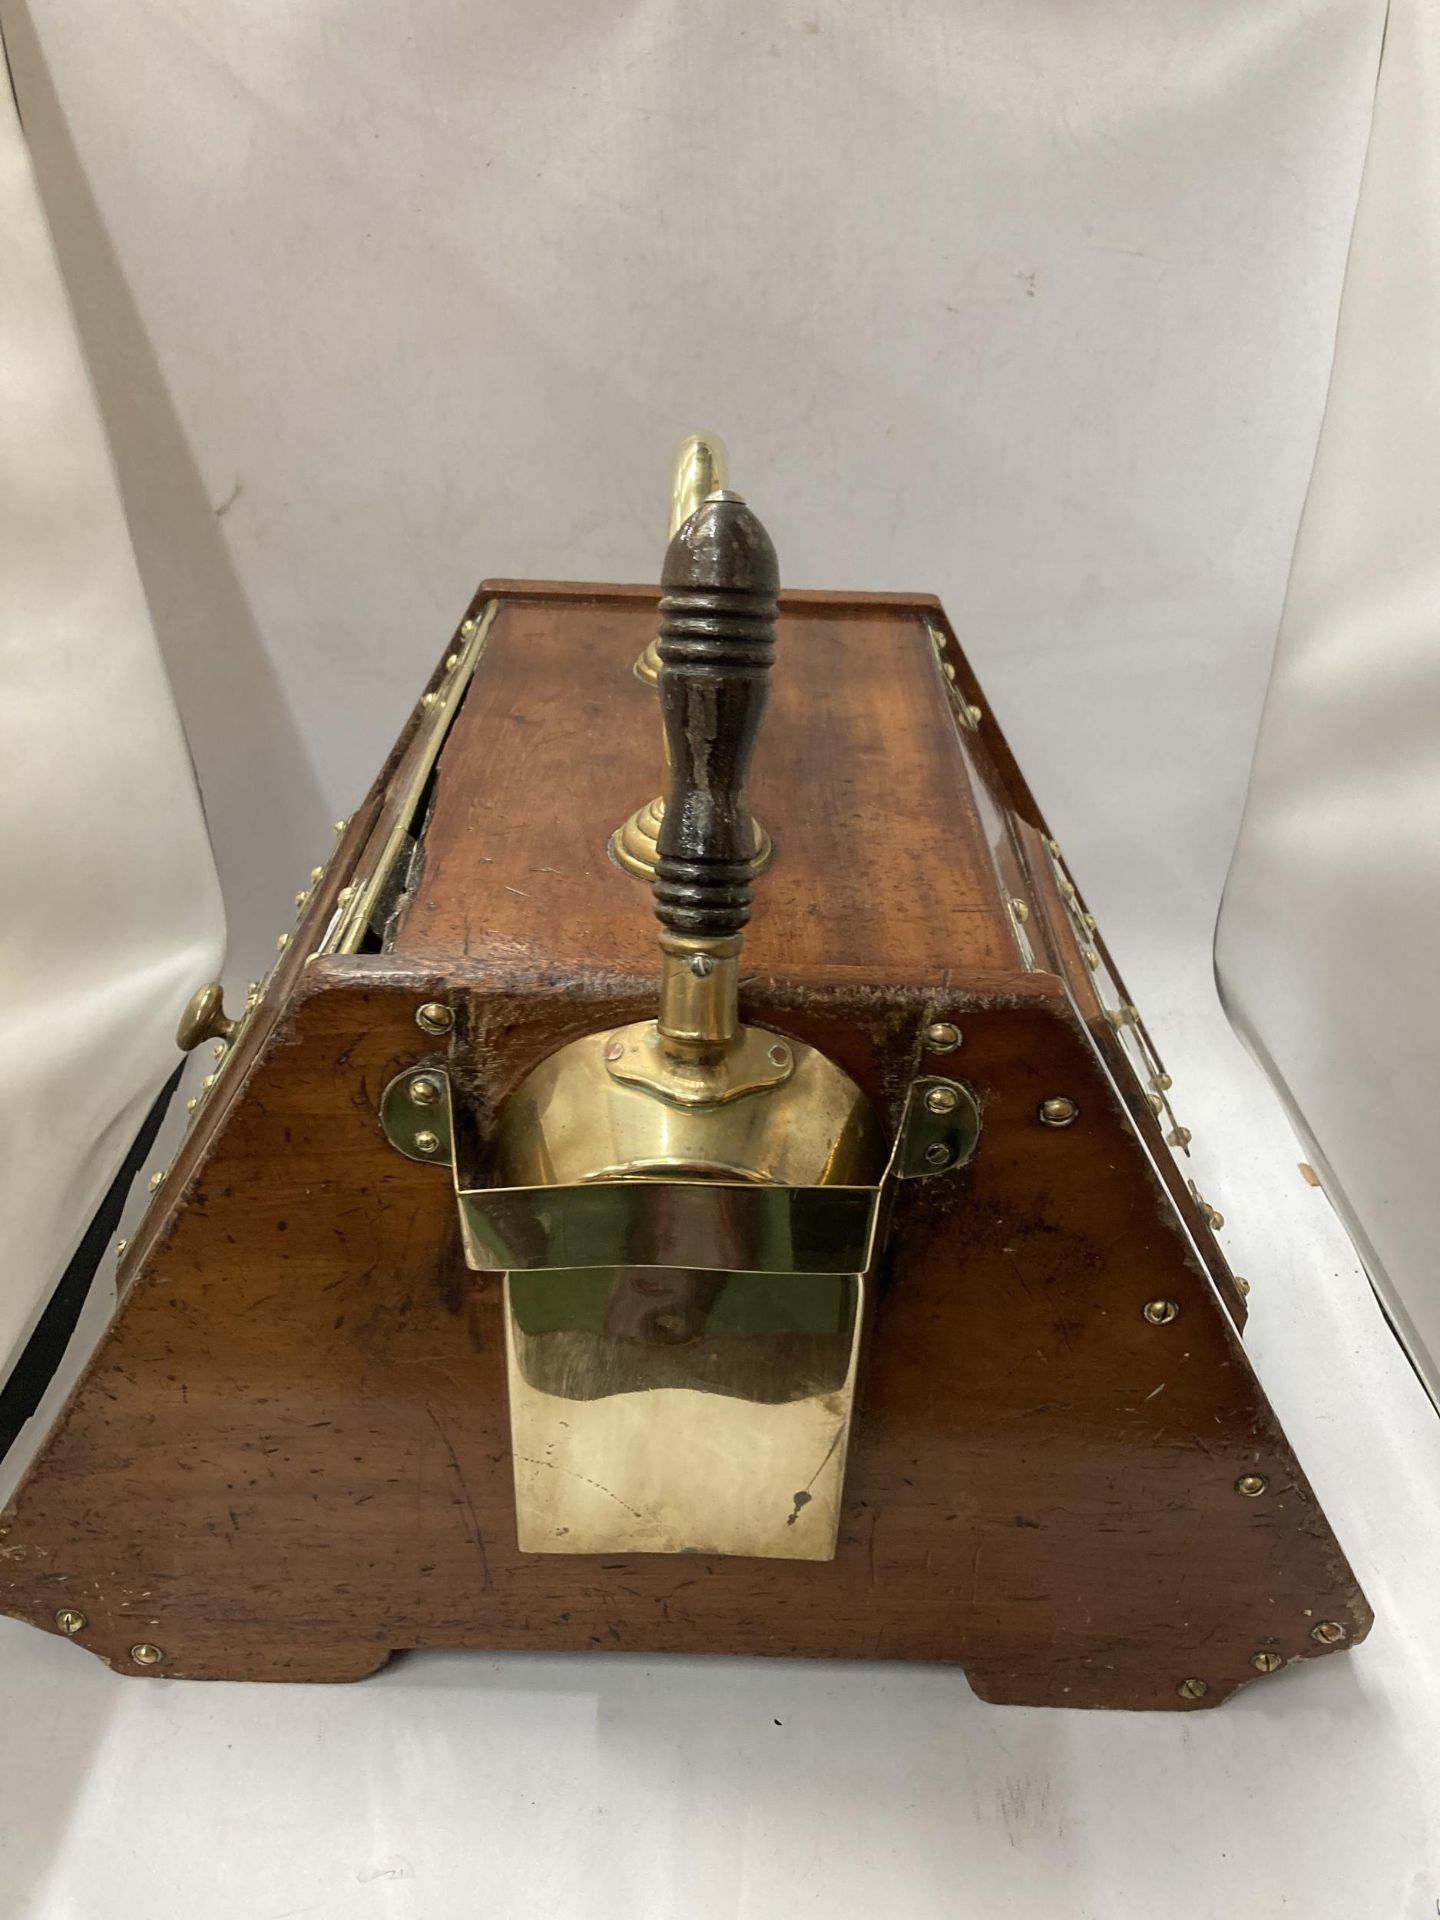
pixel 204 1019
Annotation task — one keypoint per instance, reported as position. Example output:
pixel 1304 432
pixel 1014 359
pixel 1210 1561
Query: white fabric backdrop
pixel 1030 305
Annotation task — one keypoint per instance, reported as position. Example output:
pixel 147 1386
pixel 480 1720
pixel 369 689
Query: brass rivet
pixel 340 826
pixel 1157 1105
pixel 1053 846
pixel 427 699
pixel 1252 1485
pixel 975 715
pixel 779 1054
pixel 614 1049
pixel 345 893
pixel 942 1037
pixel 434 1018
pixel 942 1100
pixel 452 660
pixel 1242 1286
pixel 71 1620
pixel 1161 1312
pixel 157 1180
pixel 1328 1632
pixel 1090 957
pixel 192 1103
pixel 220 1049
pixel 1089 921
pixel 1266 1662
pixel 147 1654
pixel 208 1082
pixel 1058 1111
pixel 467 626
pixel 282 943
pixel 1067 889
pixel 424 1092
pixel 317 874
pixel 427 1142
pixel 1020 910
pixel 301 898
pixel 1193 1689
pixel 1179 1137
pixel 1164 1082
pixel 936 1154
pixel 1214 1218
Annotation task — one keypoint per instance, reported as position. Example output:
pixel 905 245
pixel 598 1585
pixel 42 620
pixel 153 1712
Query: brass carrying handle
pixel 718 608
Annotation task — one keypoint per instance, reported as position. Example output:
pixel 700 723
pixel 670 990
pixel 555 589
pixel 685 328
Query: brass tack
pixel 942 1100
pixel 942 1037
pixel 1053 847
pixel 1193 1689
pixel 427 1142
pixel 1058 1111
pixel 1067 889
pixel 434 1018
pixel 71 1620
pixel 147 1654
pixel 1328 1632
pixel 1265 1662
pixel 1161 1312
pixel 1214 1218
pixel 1252 1485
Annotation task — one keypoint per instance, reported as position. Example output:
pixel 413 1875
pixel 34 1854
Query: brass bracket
pixel 939 1130
pixel 415 1116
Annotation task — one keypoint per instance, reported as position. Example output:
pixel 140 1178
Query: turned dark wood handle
pixel 717 640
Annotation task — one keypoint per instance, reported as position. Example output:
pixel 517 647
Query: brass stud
pixel 1157 1105
pixel 1163 1081
pixel 424 1092
pixel 942 1100
pixel 1053 848
pixel 147 1654
pixel 1058 1111
pixel 1020 910
pixel 254 994
pixel 434 1018
pixel 345 894
pixel 1213 1217
pixel 1193 1689
pixel 192 1103
pixel 427 1142
pixel 779 1054
pixel 1067 889
pixel 157 1180
pixel 1090 957
pixel 1252 1485
pixel 301 898
pixel 452 660
pixel 1089 922
pixel 120 1248
pixel 937 1154
pixel 943 1037
pixel 1161 1312
pixel 1242 1286
pixel 947 670
pixel 340 826
pixel 1265 1662
pixel 282 943
pixel 1179 1137
pixel 317 874
pixel 467 626
pixel 71 1620
pixel 208 1082
pixel 1328 1632
pixel 428 699
pixel 974 715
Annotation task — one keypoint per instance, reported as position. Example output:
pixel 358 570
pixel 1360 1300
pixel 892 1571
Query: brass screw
pixel 344 895
pixel 936 1154
pixel 147 1654
pixel 1020 910
pixel 1053 846
pixel 1058 1111
pixel 1193 1689
pixel 1252 1485
pixel 1328 1632
pixel 253 994
pixel 942 1100
pixel 434 1018
pixel 71 1620
pixel 1067 889
pixel 1161 1312
pixel 424 1092
pixel 1266 1662
pixel 943 1037
pixel 426 1142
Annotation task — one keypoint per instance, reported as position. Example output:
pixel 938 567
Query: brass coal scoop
pixel 687 1210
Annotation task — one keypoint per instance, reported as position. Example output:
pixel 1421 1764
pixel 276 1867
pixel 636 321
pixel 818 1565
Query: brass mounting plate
pixel 415 1116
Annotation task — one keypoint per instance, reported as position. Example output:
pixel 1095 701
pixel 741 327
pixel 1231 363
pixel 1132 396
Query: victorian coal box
pixel 626 1221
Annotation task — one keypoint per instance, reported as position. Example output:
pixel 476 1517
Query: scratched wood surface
pixel 289 1456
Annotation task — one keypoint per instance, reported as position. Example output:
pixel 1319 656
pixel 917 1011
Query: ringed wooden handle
pixel 717 641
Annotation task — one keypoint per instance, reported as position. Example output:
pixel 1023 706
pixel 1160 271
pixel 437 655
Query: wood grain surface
pixel 289 1456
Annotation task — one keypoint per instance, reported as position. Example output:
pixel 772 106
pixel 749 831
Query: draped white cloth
pixel 1330 934
pixel 112 912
